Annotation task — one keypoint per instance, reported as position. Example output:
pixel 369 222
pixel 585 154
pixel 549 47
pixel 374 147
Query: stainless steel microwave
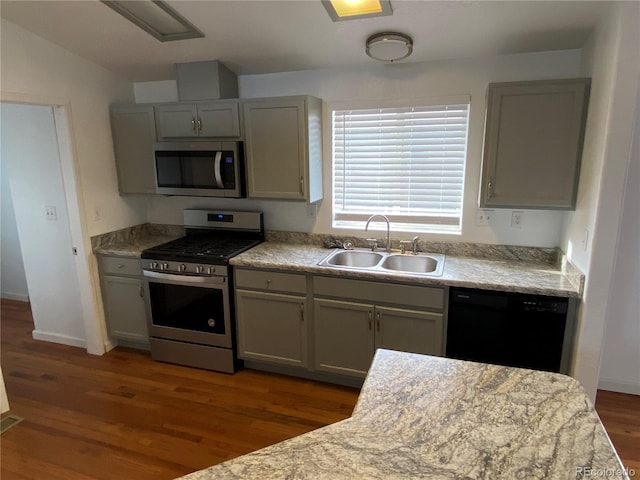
pixel 209 169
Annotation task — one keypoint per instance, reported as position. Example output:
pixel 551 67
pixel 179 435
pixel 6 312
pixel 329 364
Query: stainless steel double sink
pixel 427 264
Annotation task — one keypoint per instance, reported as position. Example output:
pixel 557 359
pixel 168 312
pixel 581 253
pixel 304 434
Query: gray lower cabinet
pixel 134 134
pixel 348 321
pixel 271 315
pixel 124 302
pixel 409 330
pixel 343 337
pixel 533 143
pixel 347 334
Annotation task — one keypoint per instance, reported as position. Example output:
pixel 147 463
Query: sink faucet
pixel 415 241
pixel 386 219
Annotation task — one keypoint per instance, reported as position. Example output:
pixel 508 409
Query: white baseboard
pixel 20 297
pixel 618 386
pixel 57 338
pixel 109 345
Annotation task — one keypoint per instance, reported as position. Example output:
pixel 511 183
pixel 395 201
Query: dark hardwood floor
pixel 620 415
pixel 123 416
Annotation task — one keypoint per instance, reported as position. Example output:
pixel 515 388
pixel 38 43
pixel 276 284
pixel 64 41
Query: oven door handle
pixel 184 278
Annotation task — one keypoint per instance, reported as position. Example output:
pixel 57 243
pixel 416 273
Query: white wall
pixel 611 59
pixel 13 281
pixel 620 369
pixel 35 67
pixel 402 81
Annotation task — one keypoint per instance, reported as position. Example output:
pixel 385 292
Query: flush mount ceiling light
pixel 340 10
pixel 156 18
pixel 389 46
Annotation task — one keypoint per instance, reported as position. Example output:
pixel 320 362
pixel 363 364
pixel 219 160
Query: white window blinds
pixel 407 163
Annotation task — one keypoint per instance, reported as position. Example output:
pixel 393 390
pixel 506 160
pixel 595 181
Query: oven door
pixel 187 308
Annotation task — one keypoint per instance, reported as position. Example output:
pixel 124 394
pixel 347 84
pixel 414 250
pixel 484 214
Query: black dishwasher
pixel 506 328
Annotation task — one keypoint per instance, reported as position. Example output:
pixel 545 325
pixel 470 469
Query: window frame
pixel 401 222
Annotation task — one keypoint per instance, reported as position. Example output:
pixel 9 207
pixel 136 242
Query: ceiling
pixel 266 36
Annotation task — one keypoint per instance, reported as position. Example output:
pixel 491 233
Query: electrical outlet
pixel 516 219
pixel 484 218
pixel 51 213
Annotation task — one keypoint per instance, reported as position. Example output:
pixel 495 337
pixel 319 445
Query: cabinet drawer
pixel 121 266
pixel 376 292
pixel 271 281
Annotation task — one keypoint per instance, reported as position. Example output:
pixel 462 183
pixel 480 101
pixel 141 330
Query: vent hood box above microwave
pixel 209 80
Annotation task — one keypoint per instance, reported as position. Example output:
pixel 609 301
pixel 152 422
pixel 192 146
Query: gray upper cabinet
pixel 283 144
pixel 134 134
pixel 219 119
pixel 533 144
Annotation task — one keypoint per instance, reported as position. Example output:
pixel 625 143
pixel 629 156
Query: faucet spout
pixel 386 219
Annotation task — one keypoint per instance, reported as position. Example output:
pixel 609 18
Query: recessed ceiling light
pixel 156 18
pixel 389 46
pixel 340 10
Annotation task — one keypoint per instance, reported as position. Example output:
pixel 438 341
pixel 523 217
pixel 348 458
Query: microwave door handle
pixel 216 169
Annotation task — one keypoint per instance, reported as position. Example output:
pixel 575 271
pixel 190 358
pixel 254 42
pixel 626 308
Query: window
pixel 404 162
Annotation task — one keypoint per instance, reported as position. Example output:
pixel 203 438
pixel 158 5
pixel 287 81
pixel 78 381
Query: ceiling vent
pixel 209 80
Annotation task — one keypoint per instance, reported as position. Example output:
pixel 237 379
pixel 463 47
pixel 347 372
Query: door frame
pixel 86 272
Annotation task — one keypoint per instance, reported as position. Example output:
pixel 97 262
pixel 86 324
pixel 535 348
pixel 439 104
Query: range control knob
pixel 182 268
pixel 211 270
pixel 164 266
pixel 199 269
pixel 154 265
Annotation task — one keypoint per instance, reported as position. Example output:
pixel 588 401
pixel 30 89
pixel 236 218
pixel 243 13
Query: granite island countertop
pixel 506 275
pixel 429 417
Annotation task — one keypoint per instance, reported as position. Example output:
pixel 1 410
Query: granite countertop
pixel 134 248
pixel 430 417
pixel 516 276
pixel 535 275
pixel 130 242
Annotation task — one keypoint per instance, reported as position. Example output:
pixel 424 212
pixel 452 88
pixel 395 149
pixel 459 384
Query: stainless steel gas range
pixel 189 282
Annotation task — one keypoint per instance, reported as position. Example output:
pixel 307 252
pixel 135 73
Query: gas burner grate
pixel 203 247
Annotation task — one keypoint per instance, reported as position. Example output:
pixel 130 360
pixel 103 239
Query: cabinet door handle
pixel 302 312
pixel 370 318
pixel 302 185
pixel 199 125
pixel 193 123
pixel 490 192
pixel 378 321
pixel 140 291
